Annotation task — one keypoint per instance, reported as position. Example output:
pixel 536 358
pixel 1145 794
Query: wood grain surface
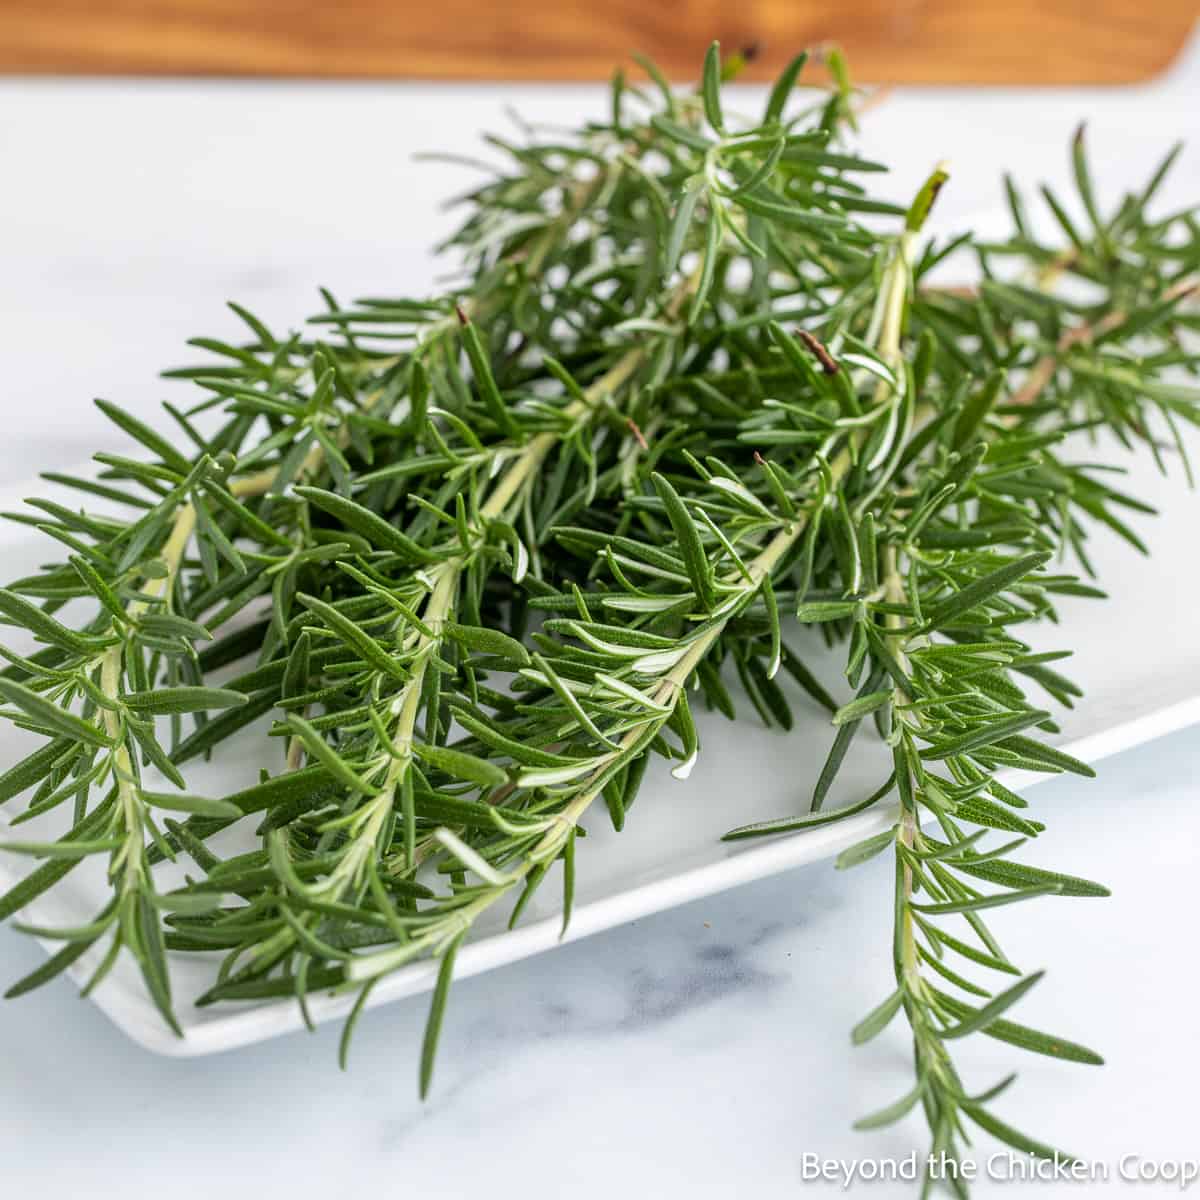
pixel 903 41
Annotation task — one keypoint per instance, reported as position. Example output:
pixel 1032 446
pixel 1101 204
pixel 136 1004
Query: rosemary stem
pixel 406 706
pixel 1042 372
pixel 909 830
pixel 129 812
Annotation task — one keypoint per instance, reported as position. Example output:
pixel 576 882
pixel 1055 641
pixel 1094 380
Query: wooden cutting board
pixel 903 41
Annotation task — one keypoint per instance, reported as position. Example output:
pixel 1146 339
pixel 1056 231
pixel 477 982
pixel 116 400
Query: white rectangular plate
pixel 1141 679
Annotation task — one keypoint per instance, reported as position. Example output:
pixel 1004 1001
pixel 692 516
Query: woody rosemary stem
pixel 128 859
pixel 897 283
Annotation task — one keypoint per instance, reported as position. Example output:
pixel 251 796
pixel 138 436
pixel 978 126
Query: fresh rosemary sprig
pixel 695 378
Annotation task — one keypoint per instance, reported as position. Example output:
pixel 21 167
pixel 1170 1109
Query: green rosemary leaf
pixel 713 233
pixel 972 952
pixel 808 820
pixel 532 882
pixel 981 811
pixel 187 841
pixel 139 431
pixel 93 488
pixel 919 211
pixel 1083 181
pixel 143 734
pixel 710 87
pixel 52 968
pixel 1012 874
pixel 861 706
pixel 32 769
pixel 296 677
pixel 461 765
pixel 485 381
pixel 217 730
pixel 1022 1036
pixel 682 723
pixel 782 88
pixel 681 223
pixel 568 698
pixel 46 628
pixel 354 636
pixel 841 744
pixel 99 588
pixel 456 810
pixel 74 850
pixel 211 540
pixel 765 203
pixel 1013 1137
pixel 892 1112
pixel 994 901
pixel 809 682
pixel 1060 215
pixel 860 852
pixel 981 1018
pixel 378 532
pixel 253 525
pixel 878 1019
pixel 327 756
pixel 307 783
pixel 437 1012
pixel 984 735
pixel 182 699
pixel 979 590
pixel 977 408
pixel 489 641
pixel 1039 757
pixel 150 951
pixel 56 721
pixel 351 1024
pixel 680 134
pixel 691 548
pixel 568 882
pixel 169 625
pixel 201 806
pixel 520 752
pixel 814 611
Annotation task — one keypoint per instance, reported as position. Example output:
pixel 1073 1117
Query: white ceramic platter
pixel 1141 678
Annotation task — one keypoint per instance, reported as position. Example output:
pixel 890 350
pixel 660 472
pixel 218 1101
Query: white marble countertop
pixel 702 1052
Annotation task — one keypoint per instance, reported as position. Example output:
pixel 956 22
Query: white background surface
pixel 672 1057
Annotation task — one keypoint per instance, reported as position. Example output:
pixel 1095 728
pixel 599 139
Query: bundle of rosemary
pixel 480 556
